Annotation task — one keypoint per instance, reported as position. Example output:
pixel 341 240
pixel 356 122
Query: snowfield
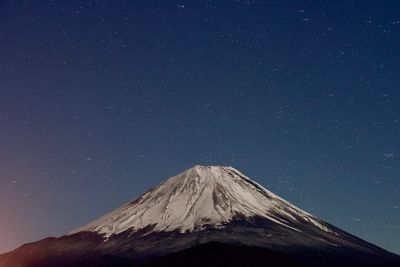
pixel 203 196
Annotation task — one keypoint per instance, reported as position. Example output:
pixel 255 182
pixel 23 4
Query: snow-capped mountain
pixel 203 196
pixel 204 216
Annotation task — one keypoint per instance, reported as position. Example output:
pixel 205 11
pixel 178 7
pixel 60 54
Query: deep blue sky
pixel 100 100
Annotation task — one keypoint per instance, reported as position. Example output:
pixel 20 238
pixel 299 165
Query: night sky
pixel 101 100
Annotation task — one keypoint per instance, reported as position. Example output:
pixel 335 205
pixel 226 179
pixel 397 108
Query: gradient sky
pixel 101 100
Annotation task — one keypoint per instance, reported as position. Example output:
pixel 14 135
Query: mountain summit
pixel 204 216
pixel 199 198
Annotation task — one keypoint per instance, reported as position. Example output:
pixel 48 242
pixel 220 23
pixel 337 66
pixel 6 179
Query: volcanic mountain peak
pixel 200 197
pixel 205 216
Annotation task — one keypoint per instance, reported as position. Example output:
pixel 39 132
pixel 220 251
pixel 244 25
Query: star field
pixel 101 100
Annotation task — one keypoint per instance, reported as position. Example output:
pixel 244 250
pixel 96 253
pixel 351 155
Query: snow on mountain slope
pixel 200 197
